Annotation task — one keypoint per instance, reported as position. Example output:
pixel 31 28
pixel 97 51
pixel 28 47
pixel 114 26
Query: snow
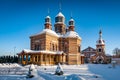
pixel 71 72
pixel 42 51
pixel 47 16
pixel 71 19
pixel 48 31
pixel 60 15
pixel 100 42
pixel 72 34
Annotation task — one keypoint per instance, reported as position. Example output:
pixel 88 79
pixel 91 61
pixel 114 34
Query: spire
pixel 71 14
pixel 100 41
pixel 60 9
pixel 48 11
pixel 100 34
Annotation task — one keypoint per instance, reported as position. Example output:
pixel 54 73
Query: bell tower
pixel 48 22
pixel 71 24
pixel 60 24
pixel 100 46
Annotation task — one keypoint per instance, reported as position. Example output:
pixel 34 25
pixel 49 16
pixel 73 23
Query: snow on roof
pixel 72 34
pixel 60 14
pixel 47 16
pixel 71 19
pixel 42 51
pixel 100 42
pixel 49 31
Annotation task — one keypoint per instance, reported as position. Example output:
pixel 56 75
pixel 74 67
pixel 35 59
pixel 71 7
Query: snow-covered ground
pixel 71 72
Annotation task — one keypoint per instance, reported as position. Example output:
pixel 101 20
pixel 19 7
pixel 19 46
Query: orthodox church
pixel 97 55
pixel 50 47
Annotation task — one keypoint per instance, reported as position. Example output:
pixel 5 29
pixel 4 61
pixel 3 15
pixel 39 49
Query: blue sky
pixel 21 18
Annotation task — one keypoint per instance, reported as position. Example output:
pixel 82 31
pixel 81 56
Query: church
pixel 97 55
pixel 50 47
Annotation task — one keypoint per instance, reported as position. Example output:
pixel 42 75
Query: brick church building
pixel 97 55
pixel 50 47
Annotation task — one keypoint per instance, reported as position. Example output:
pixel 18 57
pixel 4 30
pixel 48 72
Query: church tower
pixel 71 24
pixel 60 24
pixel 48 22
pixel 100 46
pixel 74 43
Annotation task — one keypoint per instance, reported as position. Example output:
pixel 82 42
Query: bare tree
pixel 116 52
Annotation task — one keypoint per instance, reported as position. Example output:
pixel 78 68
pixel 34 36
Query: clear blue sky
pixel 21 18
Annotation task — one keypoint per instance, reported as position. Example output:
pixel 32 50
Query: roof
pixel 100 42
pixel 71 19
pixel 72 34
pixel 41 51
pixel 49 31
pixel 60 15
pixel 88 49
pixel 47 17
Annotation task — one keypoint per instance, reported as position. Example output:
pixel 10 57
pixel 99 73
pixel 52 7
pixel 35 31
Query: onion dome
pixel 71 22
pixel 100 41
pixel 48 19
pixel 60 15
pixel 60 18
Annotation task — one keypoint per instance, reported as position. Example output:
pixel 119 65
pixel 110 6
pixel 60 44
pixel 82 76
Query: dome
pixel 47 17
pixel 71 19
pixel 71 22
pixel 60 15
pixel 72 34
pixel 100 42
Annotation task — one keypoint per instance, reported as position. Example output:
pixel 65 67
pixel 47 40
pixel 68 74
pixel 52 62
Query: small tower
pixel 71 24
pixel 100 46
pixel 60 23
pixel 48 22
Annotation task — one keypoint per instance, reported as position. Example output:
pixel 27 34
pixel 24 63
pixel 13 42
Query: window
pixel 29 58
pixel 47 20
pixel 43 57
pixel 37 47
pixel 56 19
pixel 99 50
pixel 38 58
pixel 24 57
pixel 71 23
pixel 35 58
pixel 53 47
pixel 56 47
pixel 78 48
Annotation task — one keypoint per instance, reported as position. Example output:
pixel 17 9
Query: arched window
pixel 47 20
pixel 99 50
pixel 35 58
pixel 24 57
pixel 53 47
pixel 43 57
pixel 28 57
pixel 38 58
pixel 71 23
pixel 78 48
